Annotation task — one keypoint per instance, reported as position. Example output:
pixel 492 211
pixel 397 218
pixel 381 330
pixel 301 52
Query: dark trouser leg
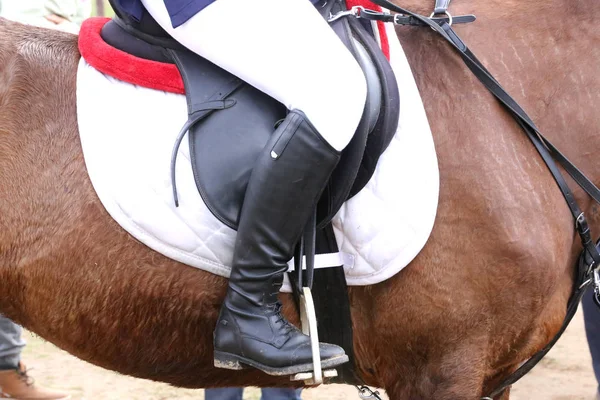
pixel 283 191
pixel 11 344
pixel 591 314
pixel 281 394
pixel 224 394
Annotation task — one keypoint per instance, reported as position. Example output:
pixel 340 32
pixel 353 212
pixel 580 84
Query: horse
pixel 488 290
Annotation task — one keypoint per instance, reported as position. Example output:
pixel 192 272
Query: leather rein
pixel 587 273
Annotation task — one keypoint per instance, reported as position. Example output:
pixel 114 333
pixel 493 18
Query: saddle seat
pixel 230 121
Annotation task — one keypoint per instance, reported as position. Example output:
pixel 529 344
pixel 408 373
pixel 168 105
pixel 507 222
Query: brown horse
pixel 488 290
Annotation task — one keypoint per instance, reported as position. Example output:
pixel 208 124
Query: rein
pixel 589 262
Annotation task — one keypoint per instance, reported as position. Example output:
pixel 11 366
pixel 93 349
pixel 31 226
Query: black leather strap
pixel 548 153
pixel 399 19
pixel 441 6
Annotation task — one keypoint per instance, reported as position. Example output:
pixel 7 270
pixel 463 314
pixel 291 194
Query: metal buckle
pixel 584 284
pixel 590 268
pixel 355 11
pixel 579 220
pixel 398 18
pixel 447 14
pixel 597 287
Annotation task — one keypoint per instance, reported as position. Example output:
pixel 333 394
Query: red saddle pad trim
pixel 123 66
pixel 153 74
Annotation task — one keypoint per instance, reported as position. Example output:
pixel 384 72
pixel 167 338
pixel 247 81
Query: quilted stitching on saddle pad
pixel 127 154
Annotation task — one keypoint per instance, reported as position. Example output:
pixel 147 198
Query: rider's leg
pixel 286 49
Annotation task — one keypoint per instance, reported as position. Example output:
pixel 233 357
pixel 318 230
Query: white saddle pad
pixel 127 134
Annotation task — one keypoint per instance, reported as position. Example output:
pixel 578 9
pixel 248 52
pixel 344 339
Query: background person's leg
pixel 281 394
pixel 11 344
pixel 285 49
pixel 14 381
pixel 591 314
pixel 224 394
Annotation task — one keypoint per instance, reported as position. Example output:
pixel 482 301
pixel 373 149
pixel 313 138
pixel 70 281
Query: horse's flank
pixel 488 290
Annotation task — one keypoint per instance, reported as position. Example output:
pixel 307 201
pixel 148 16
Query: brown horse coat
pixel 488 290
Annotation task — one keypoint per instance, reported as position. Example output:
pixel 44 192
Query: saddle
pixel 229 121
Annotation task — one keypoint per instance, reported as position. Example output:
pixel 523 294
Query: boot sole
pixel 235 362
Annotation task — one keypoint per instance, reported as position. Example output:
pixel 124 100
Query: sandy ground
pixel 565 374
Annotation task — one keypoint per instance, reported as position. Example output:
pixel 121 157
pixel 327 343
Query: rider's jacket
pixel 179 10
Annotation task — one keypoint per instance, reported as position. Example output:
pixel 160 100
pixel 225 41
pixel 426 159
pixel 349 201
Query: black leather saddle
pixel 230 121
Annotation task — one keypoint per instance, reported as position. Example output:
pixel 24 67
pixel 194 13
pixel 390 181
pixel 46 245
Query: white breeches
pixel 285 49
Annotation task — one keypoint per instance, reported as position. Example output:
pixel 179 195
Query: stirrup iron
pixel 308 316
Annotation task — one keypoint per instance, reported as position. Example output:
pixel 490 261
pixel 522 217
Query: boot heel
pixel 227 361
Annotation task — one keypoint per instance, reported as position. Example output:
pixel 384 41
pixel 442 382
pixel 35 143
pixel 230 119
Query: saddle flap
pixel 223 160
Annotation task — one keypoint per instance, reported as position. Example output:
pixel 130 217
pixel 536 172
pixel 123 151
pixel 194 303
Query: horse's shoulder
pixel 37 66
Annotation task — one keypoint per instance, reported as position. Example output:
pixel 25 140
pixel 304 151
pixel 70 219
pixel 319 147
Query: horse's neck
pixel 545 55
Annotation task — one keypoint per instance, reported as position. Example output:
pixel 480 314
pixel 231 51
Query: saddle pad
pixel 128 149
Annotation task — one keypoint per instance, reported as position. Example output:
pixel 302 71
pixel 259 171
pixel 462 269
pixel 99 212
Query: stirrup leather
pixel 308 316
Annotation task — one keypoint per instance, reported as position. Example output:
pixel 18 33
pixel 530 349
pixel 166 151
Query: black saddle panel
pixel 224 144
pixel 223 160
pixel 116 34
pixel 260 114
pixel 389 114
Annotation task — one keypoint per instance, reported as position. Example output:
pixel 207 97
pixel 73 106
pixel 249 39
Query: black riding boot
pixel 283 191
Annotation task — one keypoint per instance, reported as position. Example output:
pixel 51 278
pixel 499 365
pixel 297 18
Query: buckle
pixel 354 11
pixel 447 14
pixel 597 287
pixel 580 221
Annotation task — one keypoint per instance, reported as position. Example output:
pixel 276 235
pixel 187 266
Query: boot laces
pixel 276 311
pixel 276 307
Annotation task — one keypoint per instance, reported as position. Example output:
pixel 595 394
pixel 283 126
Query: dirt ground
pixel 565 374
